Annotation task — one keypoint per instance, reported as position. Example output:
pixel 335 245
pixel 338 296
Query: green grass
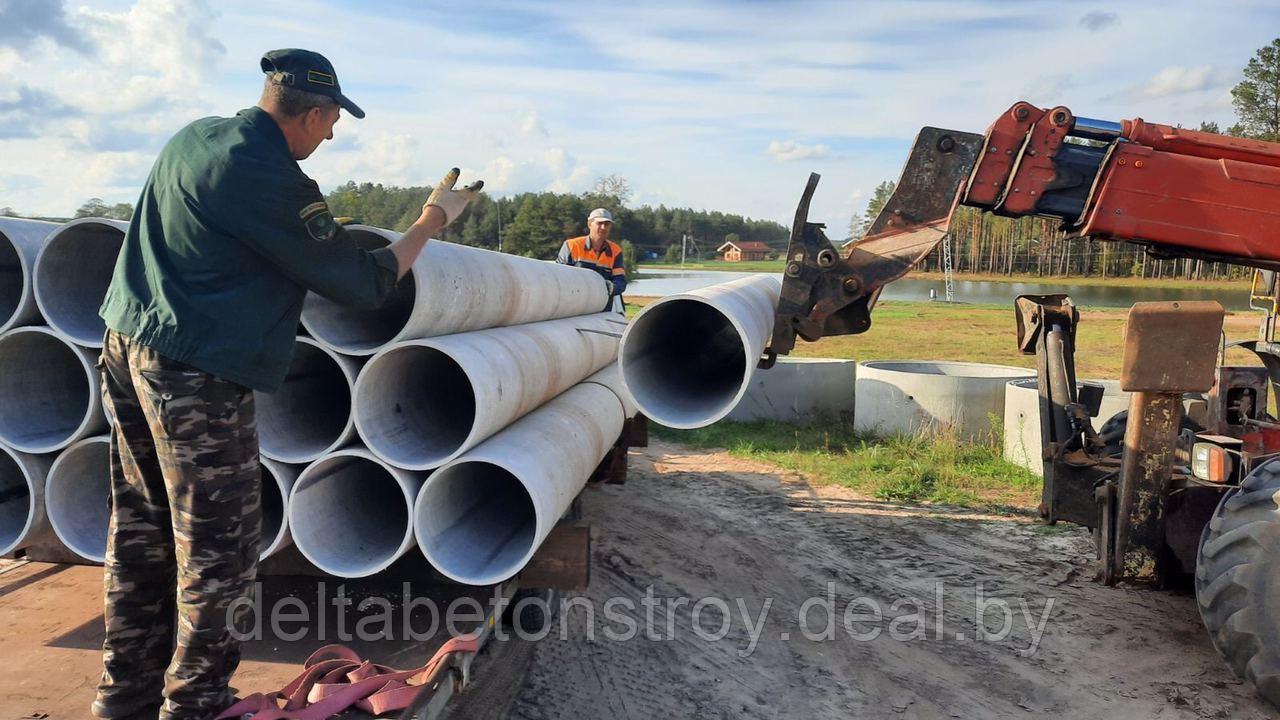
pixel 937 469
pixel 904 330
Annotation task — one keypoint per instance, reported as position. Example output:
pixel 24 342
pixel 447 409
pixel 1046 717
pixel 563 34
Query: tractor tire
pixel 1112 432
pixel 1238 580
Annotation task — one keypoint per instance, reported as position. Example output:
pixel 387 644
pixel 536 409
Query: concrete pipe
pixel 923 396
pixel 452 289
pixel 687 359
pixel 277 481
pixel 422 403
pixel 799 390
pixel 20 242
pixel 78 497
pixel 22 483
pixel 49 391
pixel 310 415
pixel 611 377
pixel 480 518
pixel 349 513
pixel 72 274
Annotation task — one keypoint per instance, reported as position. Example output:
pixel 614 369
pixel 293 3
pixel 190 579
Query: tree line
pixel 535 224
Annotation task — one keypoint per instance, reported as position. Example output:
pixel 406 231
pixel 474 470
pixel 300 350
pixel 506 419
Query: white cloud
pixel 685 116
pixel 532 125
pixel 1176 80
pixel 788 150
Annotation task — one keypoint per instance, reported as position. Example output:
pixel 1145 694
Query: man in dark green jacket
pixel 228 237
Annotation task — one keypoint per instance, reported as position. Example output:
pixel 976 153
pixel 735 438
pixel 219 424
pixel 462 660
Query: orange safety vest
pixel 606 260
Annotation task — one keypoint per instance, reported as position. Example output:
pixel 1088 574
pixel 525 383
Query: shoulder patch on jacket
pixel 319 222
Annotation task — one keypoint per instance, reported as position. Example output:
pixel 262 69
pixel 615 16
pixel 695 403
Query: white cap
pixel 600 214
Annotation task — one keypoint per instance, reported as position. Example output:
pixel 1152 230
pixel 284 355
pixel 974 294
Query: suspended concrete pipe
pixel 422 403
pixel 77 497
pixel 687 359
pixel 310 415
pixel 22 482
pixel 451 289
pixel 49 391
pixel 480 518
pixel 277 481
pixel 909 397
pixel 349 513
pixel 20 242
pixel 72 274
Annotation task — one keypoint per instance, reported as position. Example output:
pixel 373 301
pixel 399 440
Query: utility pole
pixel 946 268
pixel 684 246
pixel 498 201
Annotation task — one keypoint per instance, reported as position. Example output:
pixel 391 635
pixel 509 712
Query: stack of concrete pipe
pixel 463 417
pixel 53 445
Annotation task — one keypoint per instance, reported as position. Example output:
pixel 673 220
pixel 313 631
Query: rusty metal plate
pixel 1171 347
pixel 563 562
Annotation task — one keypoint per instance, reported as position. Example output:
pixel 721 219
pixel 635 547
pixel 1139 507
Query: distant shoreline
pixel 776 266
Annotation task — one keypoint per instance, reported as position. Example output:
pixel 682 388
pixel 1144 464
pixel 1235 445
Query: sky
pixel 713 105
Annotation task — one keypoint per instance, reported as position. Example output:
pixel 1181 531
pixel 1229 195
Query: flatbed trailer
pixel 50 607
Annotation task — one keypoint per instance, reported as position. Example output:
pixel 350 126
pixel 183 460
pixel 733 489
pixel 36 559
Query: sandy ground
pixel 699 524
pixel 696 531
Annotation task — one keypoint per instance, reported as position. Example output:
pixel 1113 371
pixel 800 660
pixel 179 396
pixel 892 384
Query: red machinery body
pixel 1182 192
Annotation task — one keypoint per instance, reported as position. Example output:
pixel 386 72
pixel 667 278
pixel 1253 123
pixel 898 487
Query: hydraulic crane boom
pixel 1179 192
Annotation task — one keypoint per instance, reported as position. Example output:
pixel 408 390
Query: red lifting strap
pixel 335 679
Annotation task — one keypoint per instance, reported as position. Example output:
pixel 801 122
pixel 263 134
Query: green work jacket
pixel 228 237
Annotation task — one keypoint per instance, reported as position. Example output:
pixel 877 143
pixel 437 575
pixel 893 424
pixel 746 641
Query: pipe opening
pixel 476 523
pixel 17 505
pixel 272 512
pixel 684 363
pixel 356 330
pixel 13 280
pixel 72 276
pixel 349 516
pixel 45 391
pixel 77 498
pixel 310 412
pixel 415 406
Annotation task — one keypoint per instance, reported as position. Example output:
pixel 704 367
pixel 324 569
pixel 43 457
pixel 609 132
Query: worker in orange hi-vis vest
pixel 595 251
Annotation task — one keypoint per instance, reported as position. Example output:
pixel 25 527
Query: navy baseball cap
pixel 307 71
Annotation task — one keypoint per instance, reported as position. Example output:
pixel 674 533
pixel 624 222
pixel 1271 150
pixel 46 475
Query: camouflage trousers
pixel 184 534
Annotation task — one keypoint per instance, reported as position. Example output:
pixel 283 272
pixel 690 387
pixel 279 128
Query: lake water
pixel 669 282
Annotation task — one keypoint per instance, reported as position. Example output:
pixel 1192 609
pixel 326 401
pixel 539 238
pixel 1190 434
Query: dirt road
pixel 708 534
pixel 697 524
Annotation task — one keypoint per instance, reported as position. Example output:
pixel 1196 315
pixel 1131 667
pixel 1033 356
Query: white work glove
pixel 450 201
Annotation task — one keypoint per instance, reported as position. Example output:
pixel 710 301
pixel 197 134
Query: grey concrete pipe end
pixel 49 391
pixel 22 483
pixel 476 522
pixel 311 414
pixel 915 396
pixel 277 481
pixel 350 513
pixel 356 331
pixel 72 274
pixel 416 406
pixel 20 242
pixel 685 362
pixel 77 497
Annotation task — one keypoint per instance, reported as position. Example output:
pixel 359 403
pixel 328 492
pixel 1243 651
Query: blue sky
pixel 718 105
